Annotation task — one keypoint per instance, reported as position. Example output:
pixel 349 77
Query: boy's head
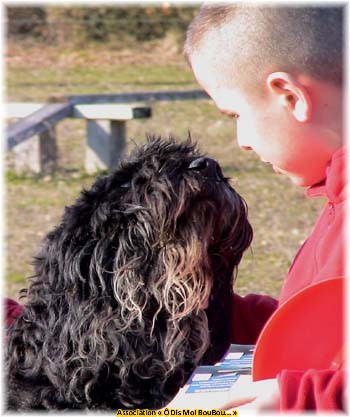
pixel 279 70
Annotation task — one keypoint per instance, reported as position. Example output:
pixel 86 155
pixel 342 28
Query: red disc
pixel 306 332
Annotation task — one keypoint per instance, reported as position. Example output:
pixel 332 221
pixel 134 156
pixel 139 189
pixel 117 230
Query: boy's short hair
pixel 251 39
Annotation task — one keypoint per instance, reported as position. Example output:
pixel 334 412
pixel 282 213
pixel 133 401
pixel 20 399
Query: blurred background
pixel 57 51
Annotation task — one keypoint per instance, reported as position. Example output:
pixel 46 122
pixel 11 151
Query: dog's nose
pixel 206 166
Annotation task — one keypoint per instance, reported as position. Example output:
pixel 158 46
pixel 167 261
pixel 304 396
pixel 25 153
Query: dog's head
pixel 133 288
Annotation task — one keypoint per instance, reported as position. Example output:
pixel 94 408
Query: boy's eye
pixel 232 114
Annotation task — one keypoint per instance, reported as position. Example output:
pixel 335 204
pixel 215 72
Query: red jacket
pixel 322 256
pixel 12 310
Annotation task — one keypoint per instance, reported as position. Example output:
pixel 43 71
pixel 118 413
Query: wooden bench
pixel 33 138
pixel 106 132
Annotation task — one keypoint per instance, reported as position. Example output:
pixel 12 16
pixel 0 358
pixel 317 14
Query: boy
pixel 279 71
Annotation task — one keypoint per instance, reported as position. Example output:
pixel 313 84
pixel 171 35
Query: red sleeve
pixel 312 390
pixel 12 311
pixel 250 314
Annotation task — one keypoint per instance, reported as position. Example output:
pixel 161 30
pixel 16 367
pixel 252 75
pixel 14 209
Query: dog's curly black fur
pixel 132 290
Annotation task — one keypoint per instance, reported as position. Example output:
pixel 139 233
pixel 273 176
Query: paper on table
pixel 224 374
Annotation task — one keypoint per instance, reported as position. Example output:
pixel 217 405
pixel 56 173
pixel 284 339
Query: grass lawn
pixel 280 214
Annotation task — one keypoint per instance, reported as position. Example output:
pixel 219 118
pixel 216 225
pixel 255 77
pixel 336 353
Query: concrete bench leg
pixel 37 154
pixel 106 142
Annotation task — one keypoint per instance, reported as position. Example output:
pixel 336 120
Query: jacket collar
pixel 334 186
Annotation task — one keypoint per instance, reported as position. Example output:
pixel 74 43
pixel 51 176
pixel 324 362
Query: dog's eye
pixel 126 184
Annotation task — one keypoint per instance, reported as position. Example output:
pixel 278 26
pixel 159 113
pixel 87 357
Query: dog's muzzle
pixel 207 167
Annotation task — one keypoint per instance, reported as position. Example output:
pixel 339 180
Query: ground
pixel 280 214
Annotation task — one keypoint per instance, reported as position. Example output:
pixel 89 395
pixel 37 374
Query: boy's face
pixel 265 126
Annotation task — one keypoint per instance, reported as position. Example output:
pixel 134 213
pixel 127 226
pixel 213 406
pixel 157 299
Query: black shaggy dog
pixel 132 290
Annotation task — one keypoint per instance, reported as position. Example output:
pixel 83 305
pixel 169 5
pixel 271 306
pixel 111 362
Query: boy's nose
pixel 242 143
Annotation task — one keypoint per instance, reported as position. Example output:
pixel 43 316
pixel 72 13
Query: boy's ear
pixel 291 94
